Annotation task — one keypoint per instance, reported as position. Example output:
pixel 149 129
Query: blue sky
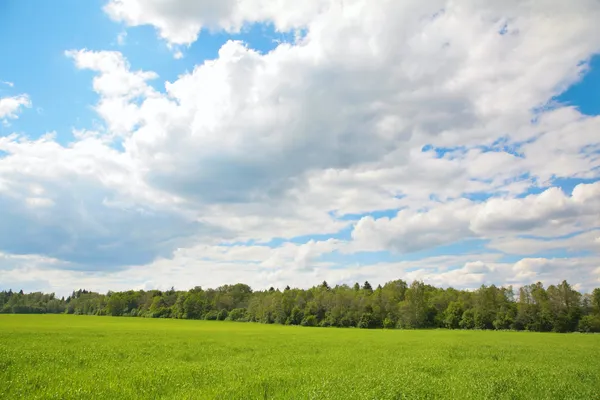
pixel 364 149
pixel 39 67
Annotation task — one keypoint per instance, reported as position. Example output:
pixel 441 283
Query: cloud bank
pixel 276 167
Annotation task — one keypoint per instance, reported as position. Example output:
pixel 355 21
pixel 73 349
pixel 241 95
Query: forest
pixel 397 304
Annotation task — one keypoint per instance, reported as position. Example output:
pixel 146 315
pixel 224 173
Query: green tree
pixel 596 301
pixel 467 320
pixel 453 315
pixel 589 324
pixel 296 316
pixel 369 321
pixel 309 320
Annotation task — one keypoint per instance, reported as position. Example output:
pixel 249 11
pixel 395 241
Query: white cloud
pixel 84 204
pixel 11 106
pixel 178 55
pixel 180 22
pixel 187 270
pixel 413 230
pixel 256 146
pixel 266 115
pixel 551 211
pixel 121 38
pixel 587 241
pixel 117 86
pixel 471 275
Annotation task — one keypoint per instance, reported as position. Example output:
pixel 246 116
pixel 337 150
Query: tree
pixel 369 321
pixel 415 311
pixel 115 305
pixel 467 320
pixel 559 308
pixel 296 316
pixel 565 307
pixel 222 315
pixel 309 320
pixel 596 301
pixel 453 315
pixel 212 315
pixel 589 324
pixel 237 314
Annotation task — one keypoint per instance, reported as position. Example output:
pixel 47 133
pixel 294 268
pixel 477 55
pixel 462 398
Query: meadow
pixel 89 357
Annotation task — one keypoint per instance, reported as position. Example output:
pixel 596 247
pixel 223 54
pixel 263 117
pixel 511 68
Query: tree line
pixel 557 308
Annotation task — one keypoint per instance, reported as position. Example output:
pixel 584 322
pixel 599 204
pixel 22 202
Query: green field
pixel 80 357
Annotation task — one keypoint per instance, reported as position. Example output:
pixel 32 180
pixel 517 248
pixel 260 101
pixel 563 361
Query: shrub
pixel 212 315
pixel 309 320
pixel 468 320
pixel 589 324
pixel 326 323
pixel 237 314
pixel 389 323
pixel 296 316
pixel 368 321
pixel 222 315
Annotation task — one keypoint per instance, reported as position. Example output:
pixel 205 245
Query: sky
pixel 156 143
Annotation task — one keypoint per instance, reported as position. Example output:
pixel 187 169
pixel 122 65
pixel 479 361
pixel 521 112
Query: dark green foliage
pixel 237 314
pixel 558 308
pixel 309 320
pixel 389 323
pixel 596 301
pixel 369 321
pixel 467 320
pixel 589 324
pixel 222 315
pixel 453 315
pixel 296 316
pixel 212 315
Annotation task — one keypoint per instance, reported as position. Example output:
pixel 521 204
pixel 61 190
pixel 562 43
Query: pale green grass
pixel 78 357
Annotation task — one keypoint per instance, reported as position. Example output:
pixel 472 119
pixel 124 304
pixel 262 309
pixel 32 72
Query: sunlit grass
pixel 79 357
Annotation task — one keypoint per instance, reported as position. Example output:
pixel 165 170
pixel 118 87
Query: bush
pixel 389 323
pixel 296 316
pixel 503 321
pixel 237 314
pixel 222 315
pixel 589 324
pixel 162 312
pixel 368 321
pixel 346 321
pixel 212 315
pixel 309 320
pixel 468 320
pixel 326 323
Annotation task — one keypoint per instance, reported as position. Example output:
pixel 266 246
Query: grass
pixel 80 357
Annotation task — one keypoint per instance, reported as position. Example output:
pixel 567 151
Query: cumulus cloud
pixel 550 211
pixel 11 106
pixel 84 205
pixel 180 22
pixel 117 86
pixel 416 106
pixel 186 270
pixel 586 241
